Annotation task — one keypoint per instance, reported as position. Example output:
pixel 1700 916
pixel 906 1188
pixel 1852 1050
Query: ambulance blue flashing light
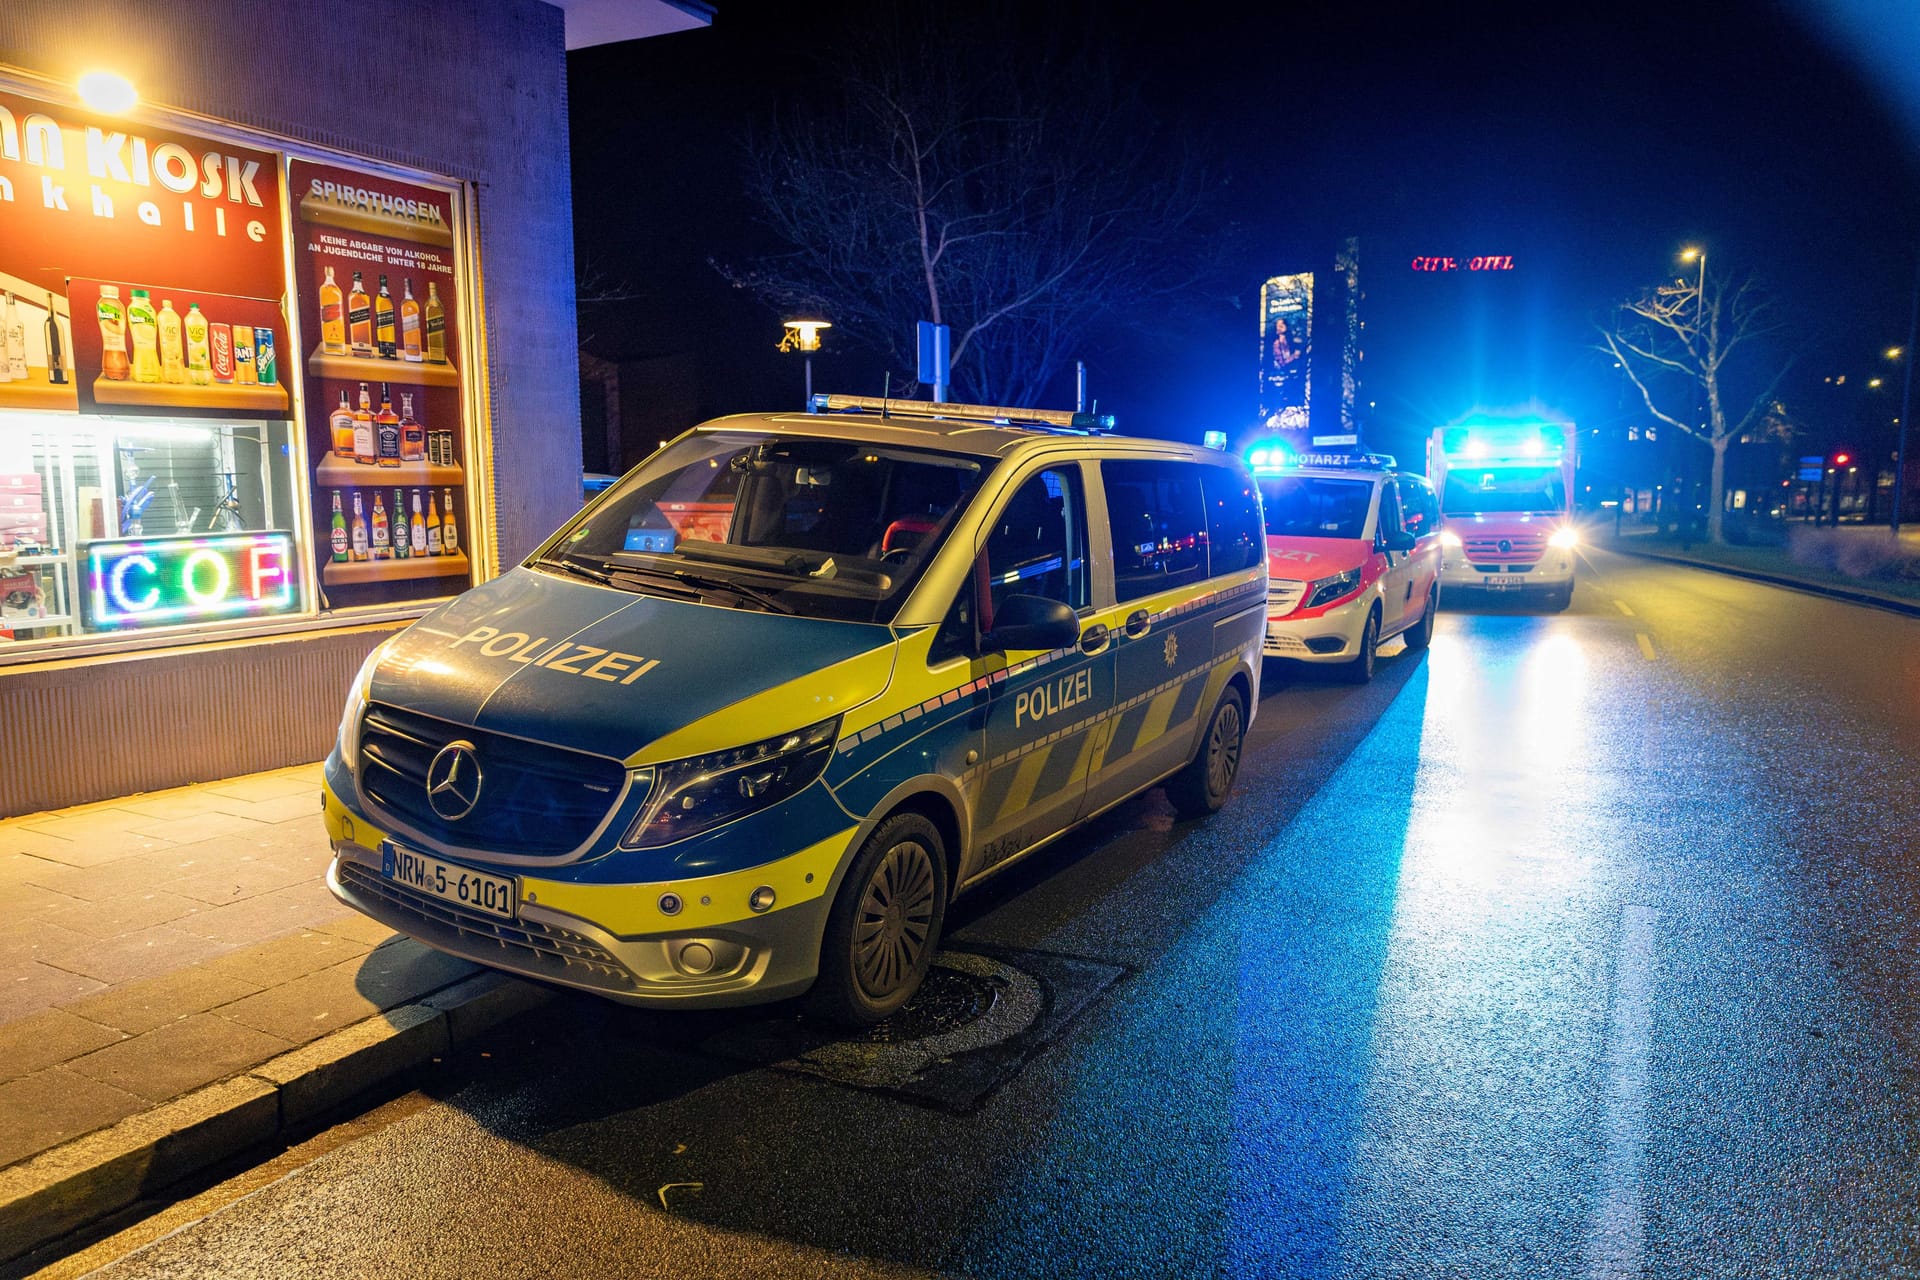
pixel 1541 443
pixel 1274 456
pixel 1270 458
pixel 1214 440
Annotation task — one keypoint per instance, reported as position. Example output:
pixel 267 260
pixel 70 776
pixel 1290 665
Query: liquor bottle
pixel 421 532
pixel 382 536
pixel 173 356
pixel 199 358
pixel 364 448
pixel 333 321
pixel 436 325
pixel 386 429
pixel 340 552
pixel 16 343
pixel 341 425
pixel 409 322
pixel 113 333
pixel 146 338
pixel 359 530
pixel 56 351
pixel 359 318
pixel 435 547
pixel 413 436
pixel 383 321
pixel 402 540
pixel 449 534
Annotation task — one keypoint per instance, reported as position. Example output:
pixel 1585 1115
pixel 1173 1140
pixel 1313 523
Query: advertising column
pixel 378 290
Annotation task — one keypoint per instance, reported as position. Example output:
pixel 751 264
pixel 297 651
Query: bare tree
pixel 1022 200
pixel 1695 350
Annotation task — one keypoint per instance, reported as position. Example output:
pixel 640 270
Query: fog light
pixel 696 958
pixel 761 899
pixel 670 904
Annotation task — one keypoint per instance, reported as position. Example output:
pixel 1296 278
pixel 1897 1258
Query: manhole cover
pixel 981 1015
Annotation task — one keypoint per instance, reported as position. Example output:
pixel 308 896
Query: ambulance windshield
pixel 1315 506
pixel 1479 490
pixel 817 527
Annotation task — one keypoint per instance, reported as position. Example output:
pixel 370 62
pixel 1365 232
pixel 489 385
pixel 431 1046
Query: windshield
pixel 1315 506
pixel 1477 491
pixel 820 528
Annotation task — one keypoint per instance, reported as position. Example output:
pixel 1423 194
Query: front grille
pixel 1283 595
pixel 1522 548
pixel 1283 644
pixel 535 801
pixel 525 946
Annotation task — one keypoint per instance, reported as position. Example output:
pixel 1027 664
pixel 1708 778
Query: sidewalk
pixel 171 964
pixel 1862 563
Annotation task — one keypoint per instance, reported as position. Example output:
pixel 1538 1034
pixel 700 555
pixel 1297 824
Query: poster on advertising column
pixel 378 287
pixel 1286 353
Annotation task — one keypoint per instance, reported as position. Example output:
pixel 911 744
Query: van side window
pixel 1159 525
pixel 1037 545
pixel 1236 538
pixel 1389 510
pixel 1418 514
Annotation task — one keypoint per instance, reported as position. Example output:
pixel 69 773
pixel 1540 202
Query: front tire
pixel 1420 634
pixel 885 925
pixel 1202 787
pixel 1359 669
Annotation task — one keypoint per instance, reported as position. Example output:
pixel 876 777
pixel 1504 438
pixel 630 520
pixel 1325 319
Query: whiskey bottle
pixel 413 436
pixel 409 323
pixel 382 536
pixel 383 321
pixel 359 318
pixel 359 530
pixel 449 533
pixel 436 325
pixel 333 320
pixel 386 429
pixel 364 447
pixel 341 426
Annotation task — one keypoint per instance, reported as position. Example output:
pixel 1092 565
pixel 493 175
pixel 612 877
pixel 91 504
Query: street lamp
pixel 1688 254
pixel 804 336
pixel 1906 400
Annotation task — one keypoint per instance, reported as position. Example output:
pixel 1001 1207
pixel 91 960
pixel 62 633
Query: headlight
pixel 1450 540
pixel 691 796
pixel 1564 538
pixel 356 709
pixel 1325 590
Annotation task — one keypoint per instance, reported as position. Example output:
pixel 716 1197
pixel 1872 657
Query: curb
pixel 82 1181
pixel 1873 600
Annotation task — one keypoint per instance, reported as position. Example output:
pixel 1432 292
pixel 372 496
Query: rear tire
pixel 885 925
pixel 1420 634
pixel 1202 787
pixel 1359 669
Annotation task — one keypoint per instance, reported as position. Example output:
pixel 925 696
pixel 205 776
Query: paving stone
pixel 265 786
pixel 145 953
pixel 361 929
pixel 78 824
pixel 16 837
pixel 111 917
pixel 180 802
pixel 49 1107
pixel 309 1007
pixel 30 902
pixel 137 1007
pixel 285 809
pixel 300 906
pixel 142 873
pixel 169 1060
pixel 200 826
pixel 273 963
pixel 29 987
pixel 93 846
pixel 238 879
pixel 46 1039
pixel 23 940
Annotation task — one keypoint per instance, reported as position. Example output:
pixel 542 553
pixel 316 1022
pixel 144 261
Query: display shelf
pixel 28 562
pixel 35 392
pixel 335 472
pixel 359 572
pixel 266 398
pixel 352 368
pixel 30 624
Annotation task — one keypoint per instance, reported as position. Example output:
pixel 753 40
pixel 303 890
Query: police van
pixel 745 725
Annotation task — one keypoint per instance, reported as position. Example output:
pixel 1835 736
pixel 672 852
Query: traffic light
pixel 1842 458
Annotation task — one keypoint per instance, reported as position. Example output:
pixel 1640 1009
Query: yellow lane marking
pixel 1646 645
pixel 1623 607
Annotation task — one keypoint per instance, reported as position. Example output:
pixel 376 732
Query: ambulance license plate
pixel 475 890
pixel 1505 580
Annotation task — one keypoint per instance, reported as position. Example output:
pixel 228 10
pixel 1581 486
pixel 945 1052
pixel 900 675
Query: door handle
pixel 1137 623
pixel 1094 638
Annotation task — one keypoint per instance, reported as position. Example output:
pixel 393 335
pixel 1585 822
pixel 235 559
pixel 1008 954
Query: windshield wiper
pixel 713 582
pixel 567 564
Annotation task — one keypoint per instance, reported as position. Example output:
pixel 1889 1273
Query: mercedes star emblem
pixel 1506 546
pixel 453 781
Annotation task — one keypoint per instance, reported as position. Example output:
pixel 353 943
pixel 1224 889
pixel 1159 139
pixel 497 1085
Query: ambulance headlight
pixel 1326 590
pixel 355 712
pixel 701 793
pixel 1565 539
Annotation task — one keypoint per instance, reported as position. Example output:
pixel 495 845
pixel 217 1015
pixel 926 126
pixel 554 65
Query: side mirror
pixel 1398 540
pixel 1031 622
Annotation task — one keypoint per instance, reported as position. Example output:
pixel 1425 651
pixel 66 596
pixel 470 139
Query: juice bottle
pixel 113 333
pixel 199 361
pixel 144 326
pixel 173 358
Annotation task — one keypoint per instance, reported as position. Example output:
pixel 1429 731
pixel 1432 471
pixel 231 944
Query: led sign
pixel 143 582
pixel 1495 263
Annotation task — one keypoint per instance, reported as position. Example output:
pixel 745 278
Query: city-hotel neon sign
pixel 146 581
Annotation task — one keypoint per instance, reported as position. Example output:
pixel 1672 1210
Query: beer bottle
pixel 434 545
pixel 339 524
pixel 359 530
pixel 449 534
pixel 402 540
pixel 382 536
pixel 417 530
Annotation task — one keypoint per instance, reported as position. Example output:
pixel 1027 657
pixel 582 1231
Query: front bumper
pixel 1332 636
pixel 613 939
pixel 1552 572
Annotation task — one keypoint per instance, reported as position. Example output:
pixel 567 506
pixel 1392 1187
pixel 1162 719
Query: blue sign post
pixel 936 361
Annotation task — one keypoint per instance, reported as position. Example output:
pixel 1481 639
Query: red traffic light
pixel 1842 459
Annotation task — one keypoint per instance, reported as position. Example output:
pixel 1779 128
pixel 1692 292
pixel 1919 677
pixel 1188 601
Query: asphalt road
pixel 1582 945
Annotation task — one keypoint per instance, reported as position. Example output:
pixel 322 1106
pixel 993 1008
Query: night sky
pixel 1588 145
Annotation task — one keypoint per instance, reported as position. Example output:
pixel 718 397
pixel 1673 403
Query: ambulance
pixel 1353 551
pixel 745 726
pixel 1506 501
